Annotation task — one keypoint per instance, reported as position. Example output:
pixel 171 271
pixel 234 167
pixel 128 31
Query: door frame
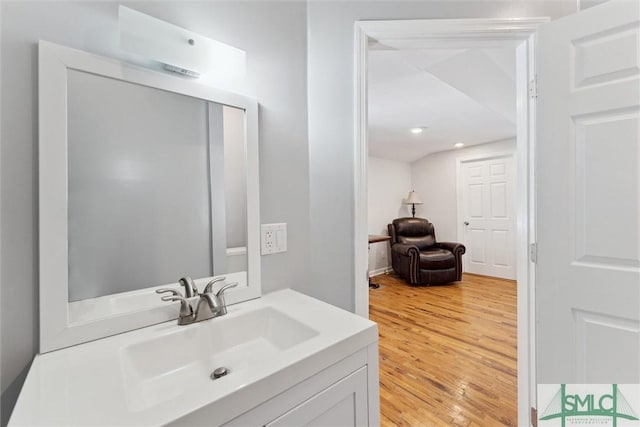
pixel 462 33
pixel 459 188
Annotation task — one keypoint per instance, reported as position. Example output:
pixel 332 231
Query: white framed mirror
pixel 144 178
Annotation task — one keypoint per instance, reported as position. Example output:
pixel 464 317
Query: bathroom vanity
pixel 291 360
pixel 146 177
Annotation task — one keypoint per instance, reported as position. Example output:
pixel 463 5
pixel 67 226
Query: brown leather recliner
pixel 418 258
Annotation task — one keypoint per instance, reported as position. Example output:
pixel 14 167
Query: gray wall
pixel 274 36
pixel 331 142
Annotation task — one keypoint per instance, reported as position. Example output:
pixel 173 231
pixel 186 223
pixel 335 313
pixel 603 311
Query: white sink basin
pixel 191 353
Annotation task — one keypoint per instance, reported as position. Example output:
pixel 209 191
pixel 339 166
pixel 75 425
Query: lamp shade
pixel 413 199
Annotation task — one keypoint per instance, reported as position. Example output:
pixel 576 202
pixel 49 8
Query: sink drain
pixel 219 372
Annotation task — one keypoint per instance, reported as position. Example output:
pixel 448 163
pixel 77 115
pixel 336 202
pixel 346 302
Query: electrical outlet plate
pixel 273 238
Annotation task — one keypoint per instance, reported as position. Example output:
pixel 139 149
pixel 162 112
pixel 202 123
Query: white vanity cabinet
pixel 336 396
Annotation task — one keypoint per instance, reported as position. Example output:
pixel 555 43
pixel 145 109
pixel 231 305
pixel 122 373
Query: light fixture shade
pixel 144 35
pixel 413 199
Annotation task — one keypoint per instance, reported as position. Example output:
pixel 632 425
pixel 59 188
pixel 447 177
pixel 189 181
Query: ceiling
pixel 456 95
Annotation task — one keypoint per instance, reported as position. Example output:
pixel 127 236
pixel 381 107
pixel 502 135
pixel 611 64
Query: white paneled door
pixel 588 271
pixel 488 216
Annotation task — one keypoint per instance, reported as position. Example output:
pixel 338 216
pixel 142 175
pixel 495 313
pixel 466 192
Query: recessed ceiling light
pixel 459 144
pixel 417 130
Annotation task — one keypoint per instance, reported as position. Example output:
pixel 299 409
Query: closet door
pixel 489 217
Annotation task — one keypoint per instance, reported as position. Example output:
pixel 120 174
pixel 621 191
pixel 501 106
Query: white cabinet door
pixel 588 271
pixel 488 216
pixel 344 394
pixel 341 405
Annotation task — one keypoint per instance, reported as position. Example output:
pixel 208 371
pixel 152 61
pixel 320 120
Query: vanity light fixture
pixel 459 144
pixel 417 130
pixel 181 71
pixel 180 50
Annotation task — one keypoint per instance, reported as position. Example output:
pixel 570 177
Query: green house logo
pixel 589 408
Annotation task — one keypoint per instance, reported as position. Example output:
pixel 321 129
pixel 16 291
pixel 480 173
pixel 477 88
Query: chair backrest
pixel 412 231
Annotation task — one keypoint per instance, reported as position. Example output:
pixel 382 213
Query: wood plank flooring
pixel 447 353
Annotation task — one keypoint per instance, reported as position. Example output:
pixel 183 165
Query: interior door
pixel 588 270
pixel 488 217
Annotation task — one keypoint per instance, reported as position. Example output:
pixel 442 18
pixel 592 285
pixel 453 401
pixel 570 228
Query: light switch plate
pixel 273 238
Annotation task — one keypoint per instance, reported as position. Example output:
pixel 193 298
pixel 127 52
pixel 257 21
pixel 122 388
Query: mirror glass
pixel 144 178
pixel 156 191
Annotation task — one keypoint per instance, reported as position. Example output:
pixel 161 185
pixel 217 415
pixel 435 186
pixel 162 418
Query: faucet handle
pixel 167 290
pixel 209 286
pixel 220 297
pixel 190 289
pixel 225 287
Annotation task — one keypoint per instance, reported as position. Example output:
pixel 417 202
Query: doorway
pixel 462 34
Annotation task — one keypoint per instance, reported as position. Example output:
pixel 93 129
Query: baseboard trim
pixel 379 271
pixel 489 277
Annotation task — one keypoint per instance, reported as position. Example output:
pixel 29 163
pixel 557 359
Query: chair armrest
pixel 406 250
pixel 456 248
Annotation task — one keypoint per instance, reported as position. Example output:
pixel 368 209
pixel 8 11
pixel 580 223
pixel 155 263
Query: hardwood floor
pixel 447 353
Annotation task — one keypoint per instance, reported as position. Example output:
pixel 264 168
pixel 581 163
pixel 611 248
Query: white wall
pixel 274 36
pixel 434 178
pixel 331 124
pixel 389 183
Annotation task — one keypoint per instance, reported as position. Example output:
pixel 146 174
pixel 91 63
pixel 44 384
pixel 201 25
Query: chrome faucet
pixel 209 304
pixel 190 289
pixel 212 304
